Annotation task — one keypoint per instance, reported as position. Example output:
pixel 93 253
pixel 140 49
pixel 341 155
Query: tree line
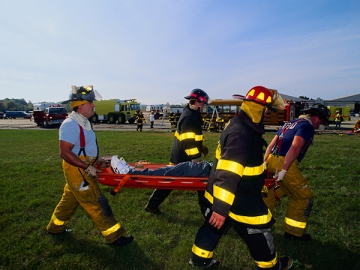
pixel 13 104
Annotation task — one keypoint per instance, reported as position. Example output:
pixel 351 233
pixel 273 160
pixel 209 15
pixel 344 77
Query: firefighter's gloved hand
pixel 91 171
pixel 101 162
pixel 205 150
pixel 280 175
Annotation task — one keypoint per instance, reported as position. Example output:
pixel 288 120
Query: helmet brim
pixel 318 113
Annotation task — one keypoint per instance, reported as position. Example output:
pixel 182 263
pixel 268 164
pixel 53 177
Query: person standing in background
pixel 152 119
pixel 140 120
pixel 338 119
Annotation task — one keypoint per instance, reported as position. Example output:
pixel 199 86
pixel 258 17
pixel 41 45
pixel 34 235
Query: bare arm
pixel 268 149
pixel 70 157
pixel 293 152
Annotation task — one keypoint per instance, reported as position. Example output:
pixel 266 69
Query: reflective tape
pixel 202 252
pixel 111 230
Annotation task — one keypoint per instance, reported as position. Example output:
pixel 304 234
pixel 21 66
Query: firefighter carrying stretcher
pixel 187 145
pixel 282 157
pixel 233 191
pixel 79 151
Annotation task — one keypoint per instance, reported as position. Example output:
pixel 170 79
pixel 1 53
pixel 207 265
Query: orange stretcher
pixel 109 178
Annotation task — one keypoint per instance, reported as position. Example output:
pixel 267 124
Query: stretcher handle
pixel 119 186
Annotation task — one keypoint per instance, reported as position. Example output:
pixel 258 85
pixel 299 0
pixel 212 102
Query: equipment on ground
pixel 116 111
pixel 48 114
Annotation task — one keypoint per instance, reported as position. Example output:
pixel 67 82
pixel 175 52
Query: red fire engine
pixel 49 114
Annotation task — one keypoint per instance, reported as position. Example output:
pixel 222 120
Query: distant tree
pixel 29 106
pixel 303 97
pixel 15 105
pixel 12 105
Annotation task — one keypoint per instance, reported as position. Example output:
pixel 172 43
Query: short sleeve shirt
pixel 70 132
pixel 300 128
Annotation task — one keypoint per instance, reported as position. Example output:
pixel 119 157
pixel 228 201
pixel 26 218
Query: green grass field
pixel 32 183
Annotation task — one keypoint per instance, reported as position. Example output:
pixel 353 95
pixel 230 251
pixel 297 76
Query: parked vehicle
pixel 49 114
pixel 16 114
pixel 176 108
pixel 116 111
pixel 344 111
pixel 158 110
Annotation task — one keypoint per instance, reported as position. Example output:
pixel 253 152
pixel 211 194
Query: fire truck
pixel 158 110
pixel 115 111
pixel 344 111
pixel 49 114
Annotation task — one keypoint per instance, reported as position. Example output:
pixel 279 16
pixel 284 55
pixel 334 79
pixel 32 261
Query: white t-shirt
pixel 70 132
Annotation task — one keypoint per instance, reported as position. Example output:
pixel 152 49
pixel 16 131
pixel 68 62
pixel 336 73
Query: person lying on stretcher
pixel 194 169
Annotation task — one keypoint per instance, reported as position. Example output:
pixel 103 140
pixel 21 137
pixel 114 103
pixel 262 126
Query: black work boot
pixel 285 263
pixel 306 237
pixel 205 264
pixel 155 211
pixel 123 240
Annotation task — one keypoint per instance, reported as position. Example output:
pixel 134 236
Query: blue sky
pixel 159 50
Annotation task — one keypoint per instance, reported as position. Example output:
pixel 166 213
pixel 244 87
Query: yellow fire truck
pixel 115 111
pixel 344 111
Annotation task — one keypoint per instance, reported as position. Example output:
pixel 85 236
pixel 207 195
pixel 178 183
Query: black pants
pixel 259 241
pixel 188 168
pixel 159 195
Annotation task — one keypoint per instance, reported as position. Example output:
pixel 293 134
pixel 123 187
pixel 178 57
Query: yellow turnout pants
pixel 91 200
pixel 298 189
